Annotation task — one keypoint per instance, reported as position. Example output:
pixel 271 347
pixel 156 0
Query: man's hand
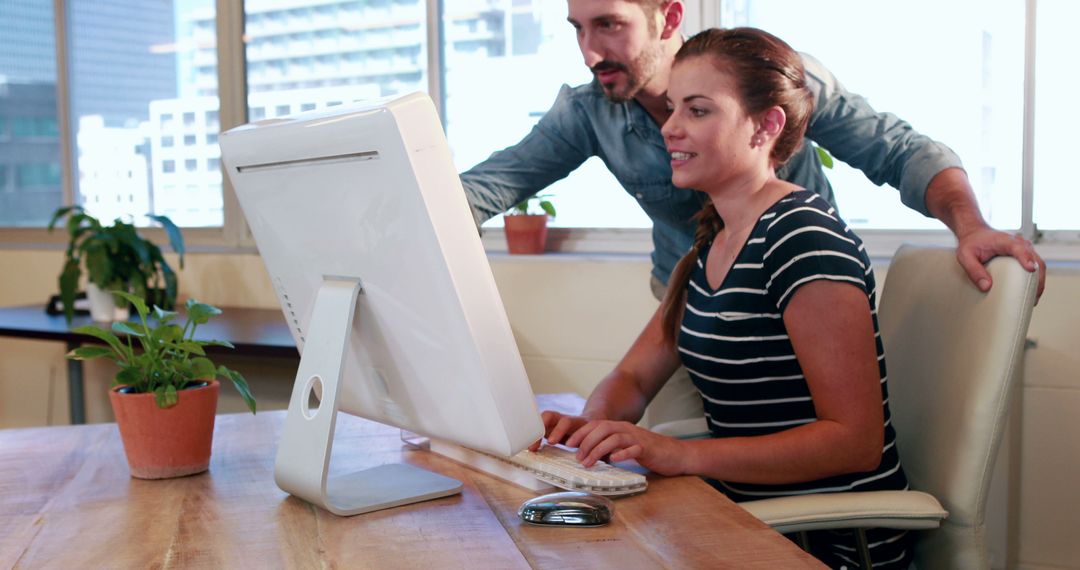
pixel 949 198
pixel 976 248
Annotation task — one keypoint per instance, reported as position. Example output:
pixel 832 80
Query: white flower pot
pixel 103 307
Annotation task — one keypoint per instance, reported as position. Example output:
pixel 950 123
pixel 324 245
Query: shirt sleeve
pixel 560 142
pixel 804 244
pixel 887 149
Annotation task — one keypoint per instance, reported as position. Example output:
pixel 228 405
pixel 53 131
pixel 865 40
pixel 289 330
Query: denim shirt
pixel 583 123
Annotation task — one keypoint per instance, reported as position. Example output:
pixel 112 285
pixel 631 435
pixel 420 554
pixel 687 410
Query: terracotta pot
pixel 526 233
pixel 170 442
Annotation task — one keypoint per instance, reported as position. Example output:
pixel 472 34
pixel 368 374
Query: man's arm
pixel 950 199
pixel 559 143
pixel 927 173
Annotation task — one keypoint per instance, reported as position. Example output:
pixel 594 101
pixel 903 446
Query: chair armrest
pixel 692 428
pixel 869 509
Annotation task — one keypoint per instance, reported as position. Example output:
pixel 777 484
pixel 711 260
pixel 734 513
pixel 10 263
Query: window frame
pixel 235 237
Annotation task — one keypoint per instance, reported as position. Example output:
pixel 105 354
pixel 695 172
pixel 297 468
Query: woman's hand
pixel 558 427
pixel 620 441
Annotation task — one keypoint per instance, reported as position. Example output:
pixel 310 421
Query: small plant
pixel 541 200
pixel 170 359
pixel 116 258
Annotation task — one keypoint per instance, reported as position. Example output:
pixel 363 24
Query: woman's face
pixel 709 132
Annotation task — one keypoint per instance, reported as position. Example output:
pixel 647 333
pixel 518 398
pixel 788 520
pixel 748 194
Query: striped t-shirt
pixel 734 344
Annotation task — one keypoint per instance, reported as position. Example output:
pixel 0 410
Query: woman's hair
pixel 767 73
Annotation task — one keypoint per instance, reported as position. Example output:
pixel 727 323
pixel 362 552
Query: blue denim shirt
pixel 582 124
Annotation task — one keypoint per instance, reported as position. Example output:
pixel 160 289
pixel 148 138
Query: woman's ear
pixel 772 122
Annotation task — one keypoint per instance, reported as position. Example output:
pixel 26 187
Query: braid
pixel 709 224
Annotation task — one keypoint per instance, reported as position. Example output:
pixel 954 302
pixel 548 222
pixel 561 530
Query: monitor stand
pixel 303 457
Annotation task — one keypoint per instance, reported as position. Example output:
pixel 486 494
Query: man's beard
pixel 638 72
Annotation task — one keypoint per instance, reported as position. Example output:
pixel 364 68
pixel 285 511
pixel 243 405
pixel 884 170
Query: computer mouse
pixel 570 508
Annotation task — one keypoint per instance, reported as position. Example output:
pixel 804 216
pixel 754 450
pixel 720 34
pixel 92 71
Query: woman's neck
pixel 742 200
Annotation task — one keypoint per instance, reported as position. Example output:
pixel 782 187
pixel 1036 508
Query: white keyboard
pixel 553 465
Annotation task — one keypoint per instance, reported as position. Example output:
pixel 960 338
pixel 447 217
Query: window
pixel 37 176
pixel 289 84
pixel 961 83
pixel 1056 199
pixel 533 51
pixel 503 62
pixel 153 50
pixel 30 186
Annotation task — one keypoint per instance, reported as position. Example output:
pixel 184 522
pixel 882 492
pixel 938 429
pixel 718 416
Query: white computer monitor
pixel 371 246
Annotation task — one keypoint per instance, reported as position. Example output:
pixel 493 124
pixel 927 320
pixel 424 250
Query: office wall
pixel 573 316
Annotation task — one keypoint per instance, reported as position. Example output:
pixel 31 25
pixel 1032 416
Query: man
pixel 629 45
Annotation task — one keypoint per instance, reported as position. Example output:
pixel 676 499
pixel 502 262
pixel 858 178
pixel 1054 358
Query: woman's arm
pixel 831 330
pixel 625 392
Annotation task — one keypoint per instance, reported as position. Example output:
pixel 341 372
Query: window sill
pixel 1059 249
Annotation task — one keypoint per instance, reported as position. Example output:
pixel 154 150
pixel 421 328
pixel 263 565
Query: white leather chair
pixel 953 355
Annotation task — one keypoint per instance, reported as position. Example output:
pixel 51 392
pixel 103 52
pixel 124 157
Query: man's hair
pixel 650 8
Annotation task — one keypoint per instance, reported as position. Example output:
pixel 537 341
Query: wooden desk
pixel 66 501
pixel 254 332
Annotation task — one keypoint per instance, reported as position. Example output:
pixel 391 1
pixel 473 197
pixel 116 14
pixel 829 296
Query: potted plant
pixel 116 258
pixel 526 229
pixel 165 395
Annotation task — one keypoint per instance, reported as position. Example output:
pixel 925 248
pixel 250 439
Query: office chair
pixel 953 355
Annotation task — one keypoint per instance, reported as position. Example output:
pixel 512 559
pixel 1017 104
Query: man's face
pixel 620 43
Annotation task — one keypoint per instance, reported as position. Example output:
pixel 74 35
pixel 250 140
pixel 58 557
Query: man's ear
pixel 672 11
pixel 772 122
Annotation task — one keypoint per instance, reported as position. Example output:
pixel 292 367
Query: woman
pixel 772 311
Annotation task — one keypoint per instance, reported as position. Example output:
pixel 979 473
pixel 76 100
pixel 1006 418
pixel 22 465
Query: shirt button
pixel 639 195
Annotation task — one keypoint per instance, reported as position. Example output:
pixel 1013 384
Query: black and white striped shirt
pixel 734 344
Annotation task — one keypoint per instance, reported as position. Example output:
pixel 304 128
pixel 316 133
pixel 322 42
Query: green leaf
pixel 200 313
pixel 192 348
pixel 123 327
pixel 826 158
pixel 224 343
pixel 99 264
pixel 61 212
pixel 69 282
pixel 106 337
pixel 167 334
pixel 131 376
pixel 137 302
pixel 548 208
pixel 202 368
pixel 91 352
pixel 176 239
pixel 163 317
pixel 241 386
pixel 166 397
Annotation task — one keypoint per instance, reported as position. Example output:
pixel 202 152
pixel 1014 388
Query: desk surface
pixel 254 332
pixel 66 501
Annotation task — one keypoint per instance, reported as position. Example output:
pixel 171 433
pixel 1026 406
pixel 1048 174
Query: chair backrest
pixel 953 355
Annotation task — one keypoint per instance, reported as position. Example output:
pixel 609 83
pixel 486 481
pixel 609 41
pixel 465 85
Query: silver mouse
pixel 570 508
